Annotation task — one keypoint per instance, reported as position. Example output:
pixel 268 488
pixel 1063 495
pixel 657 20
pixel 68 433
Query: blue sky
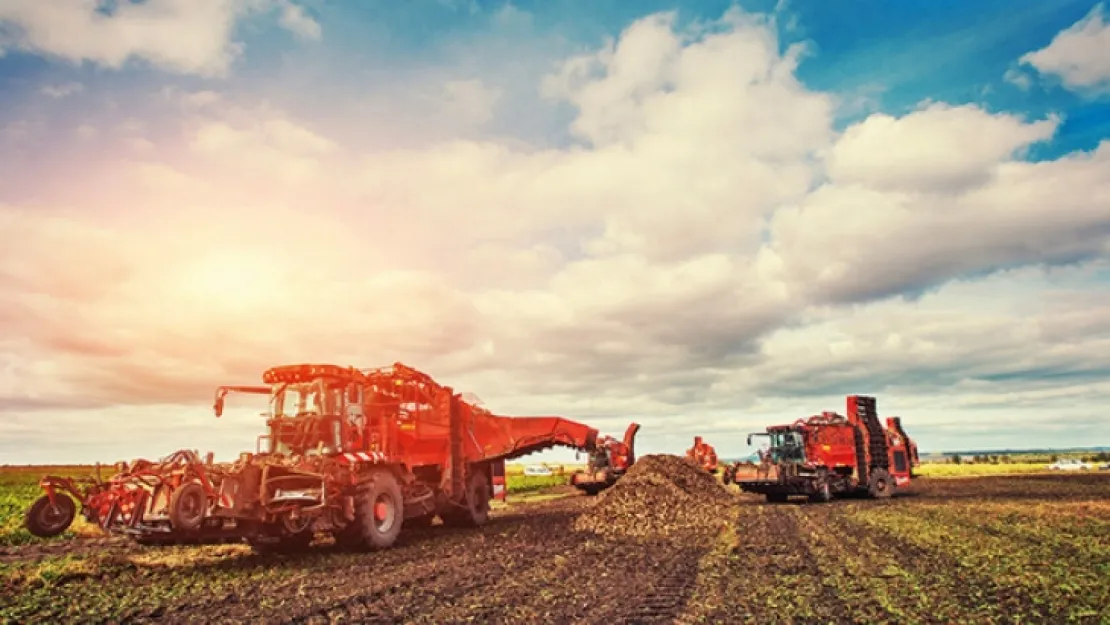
pixel 704 216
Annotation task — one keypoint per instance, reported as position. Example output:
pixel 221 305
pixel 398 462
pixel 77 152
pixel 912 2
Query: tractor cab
pixel 786 444
pixel 313 410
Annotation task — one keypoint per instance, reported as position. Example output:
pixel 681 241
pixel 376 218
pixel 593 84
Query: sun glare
pixel 230 280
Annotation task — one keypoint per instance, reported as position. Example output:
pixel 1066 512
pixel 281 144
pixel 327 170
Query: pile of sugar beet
pixel 661 496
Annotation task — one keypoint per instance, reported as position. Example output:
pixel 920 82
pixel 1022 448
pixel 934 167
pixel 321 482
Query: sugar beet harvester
pixel 354 453
pixel 608 460
pixel 830 454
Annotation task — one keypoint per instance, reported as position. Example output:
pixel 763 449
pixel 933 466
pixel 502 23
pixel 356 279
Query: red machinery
pixel 608 460
pixel 703 454
pixel 828 454
pixel 355 453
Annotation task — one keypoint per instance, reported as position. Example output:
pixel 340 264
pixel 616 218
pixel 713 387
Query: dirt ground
pixel 945 551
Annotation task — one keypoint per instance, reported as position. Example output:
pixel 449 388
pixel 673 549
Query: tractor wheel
pixel 880 486
pixel 47 521
pixel 187 507
pixel 379 511
pixel 476 512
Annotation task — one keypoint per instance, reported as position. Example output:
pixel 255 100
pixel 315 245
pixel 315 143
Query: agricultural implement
pixel 704 455
pixel 355 453
pixel 607 462
pixel 830 454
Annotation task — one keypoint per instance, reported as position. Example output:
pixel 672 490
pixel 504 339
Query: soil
pixel 668 543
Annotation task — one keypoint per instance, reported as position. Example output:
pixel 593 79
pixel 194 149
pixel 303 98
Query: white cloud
pixel 914 152
pixel 470 100
pixel 62 90
pixel 295 20
pixel 1018 78
pixel 1078 55
pixel 184 36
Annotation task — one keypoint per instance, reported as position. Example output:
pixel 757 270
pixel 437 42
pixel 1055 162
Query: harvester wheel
pixel 476 512
pixel 379 511
pixel 45 520
pixel 880 486
pixel 187 507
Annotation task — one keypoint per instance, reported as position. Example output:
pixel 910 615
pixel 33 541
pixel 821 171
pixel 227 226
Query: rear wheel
pixel 47 520
pixel 475 512
pixel 379 512
pixel 187 507
pixel 880 486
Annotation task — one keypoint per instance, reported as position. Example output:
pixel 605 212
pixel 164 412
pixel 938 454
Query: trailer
pixel 354 453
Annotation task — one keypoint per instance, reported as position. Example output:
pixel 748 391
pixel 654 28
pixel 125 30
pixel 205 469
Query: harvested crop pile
pixel 661 496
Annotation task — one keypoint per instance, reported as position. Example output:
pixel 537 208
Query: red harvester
pixel 829 454
pixel 609 460
pixel 703 454
pixel 354 453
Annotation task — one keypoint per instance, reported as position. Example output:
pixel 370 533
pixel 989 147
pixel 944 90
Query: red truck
pixel 355 453
pixel 830 454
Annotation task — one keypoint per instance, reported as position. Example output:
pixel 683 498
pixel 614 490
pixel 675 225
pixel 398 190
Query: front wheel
pixel 47 520
pixel 379 511
pixel 880 486
pixel 475 512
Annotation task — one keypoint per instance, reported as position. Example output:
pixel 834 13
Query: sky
pixel 705 217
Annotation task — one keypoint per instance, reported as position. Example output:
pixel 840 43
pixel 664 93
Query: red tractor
pixel 703 454
pixel 609 460
pixel 353 453
pixel 830 454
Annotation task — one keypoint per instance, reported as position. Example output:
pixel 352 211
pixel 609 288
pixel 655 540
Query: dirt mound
pixel 661 496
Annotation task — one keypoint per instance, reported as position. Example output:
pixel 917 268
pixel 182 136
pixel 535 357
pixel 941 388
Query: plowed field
pixel 981 550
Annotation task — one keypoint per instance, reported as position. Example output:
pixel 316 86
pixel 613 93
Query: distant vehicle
pixel 537 470
pixel 1069 464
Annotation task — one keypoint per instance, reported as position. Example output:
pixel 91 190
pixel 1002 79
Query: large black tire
pixel 880 486
pixel 379 514
pixel 476 510
pixel 188 505
pixel 47 521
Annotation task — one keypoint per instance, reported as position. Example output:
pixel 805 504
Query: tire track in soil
pixel 432 585
pixel 769 561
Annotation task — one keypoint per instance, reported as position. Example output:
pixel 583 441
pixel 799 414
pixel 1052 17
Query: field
pixel 1023 548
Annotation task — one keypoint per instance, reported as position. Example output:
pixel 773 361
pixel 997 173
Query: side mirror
pixel 219 406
